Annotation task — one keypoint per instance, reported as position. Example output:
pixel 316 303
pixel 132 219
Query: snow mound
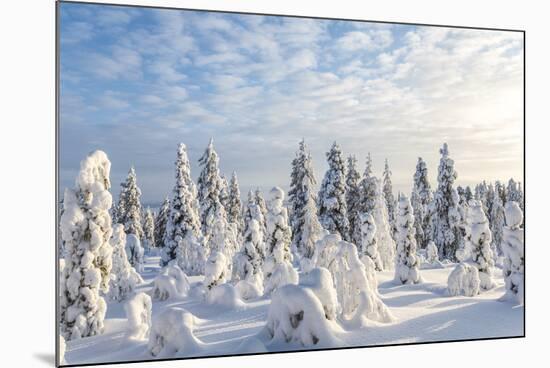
pixel 224 295
pixel 135 252
pixel 215 270
pixel 138 311
pixel 514 216
pixel 432 257
pixel 319 281
pixel 464 280
pixel 248 289
pixel 297 316
pixel 172 334
pixel 280 274
pixel 170 283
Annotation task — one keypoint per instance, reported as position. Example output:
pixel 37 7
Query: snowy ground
pixel 423 312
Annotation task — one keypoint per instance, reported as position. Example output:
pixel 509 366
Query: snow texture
pixel 514 256
pixel 319 281
pixel 172 334
pixel 86 230
pixel 138 312
pixel 407 262
pixel 224 295
pixel 215 270
pixel 171 282
pixel 464 280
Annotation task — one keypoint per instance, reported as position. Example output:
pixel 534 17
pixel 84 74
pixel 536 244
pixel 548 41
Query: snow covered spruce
pixel 407 262
pixel 513 249
pixel 124 277
pixel 86 230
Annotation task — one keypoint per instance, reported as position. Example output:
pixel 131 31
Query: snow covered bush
pixel 249 262
pixel 319 280
pixel 172 334
pixel 478 238
pixel 86 230
pixel 513 249
pixel 278 266
pixel 182 237
pixel 407 263
pixel 297 316
pixel 124 277
pixel 215 270
pixel 134 252
pixel 170 283
pixel 332 200
pixel 367 246
pixel 224 295
pixel 355 285
pixel 464 280
pixel 431 253
pixel 138 311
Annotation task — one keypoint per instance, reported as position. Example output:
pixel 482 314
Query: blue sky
pixel 135 82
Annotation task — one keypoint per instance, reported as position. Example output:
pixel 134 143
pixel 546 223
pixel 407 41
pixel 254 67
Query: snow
pixel 513 249
pixel 170 283
pixel 138 312
pixel 319 281
pixel 464 280
pixel 135 252
pixel 422 312
pixel 224 295
pixel 172 334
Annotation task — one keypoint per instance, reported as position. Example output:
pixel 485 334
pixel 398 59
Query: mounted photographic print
pixel 235 184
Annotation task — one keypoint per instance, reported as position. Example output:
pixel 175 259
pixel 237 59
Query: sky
pixel 135 82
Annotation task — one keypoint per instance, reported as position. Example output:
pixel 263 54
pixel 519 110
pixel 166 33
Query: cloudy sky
pixel 135 82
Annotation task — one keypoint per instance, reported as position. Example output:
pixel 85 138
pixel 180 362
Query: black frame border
pixel 57 131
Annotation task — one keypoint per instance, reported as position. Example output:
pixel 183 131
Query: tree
pixel 182 233
pixel 515 193
pixel 332 195
pixel 301 200
pixel 368 246
pixel 407 263
pixel 478 239
pixel 496 221
pixel 86 230
pixel 148 229
pixel 224 192
pixel 130 215
pixel 262 207
pixel 514 253
pixel 234 205
pixel 278 265
pixel 445 231
pixel 249 261
pixel 421 199
pixel 124 277
pixel 160 223
pixel 388 195
pixel 367 188
pixel 353 194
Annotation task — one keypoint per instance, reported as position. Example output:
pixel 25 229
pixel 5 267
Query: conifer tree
pixel 332 195
pixel 302 199
pixel 514 253
pixel 161 220
pixel 86 230
pixel 353 194
pixel 421 199
pixel 234 205
pixel 124 277
pixel 407 263
pixel 148 229
pixel 368 246
pixel 446 233
pixel 260 202
pixel 182 233
pixel 130 215
pixel 479 239
pixel 388 195
pixel 496 223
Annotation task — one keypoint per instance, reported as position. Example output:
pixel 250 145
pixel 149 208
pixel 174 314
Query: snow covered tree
pixel 368 246
pixel 514 193
pixel 86 230
pixel 478 239
pixel 514 253
pixel 303 214
pixel 481 191
pixel 160 223
pixel 135 252
pixel 182 233
pixel 124 277
pixel 407 263
pixel 209 192
pixel 222 240
pixel 224 192
pixel 468 196
pixel 421 199
pixel 332 195
pixel 234 205
pixel 496 221
pixel 353 196
pixel 148 229
pixel 379 211
pixel 278 266
pixel 367 194
pixel 130 215
pixel 388 195
pixel 260 202
pixel 249 261
pixel 444 229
